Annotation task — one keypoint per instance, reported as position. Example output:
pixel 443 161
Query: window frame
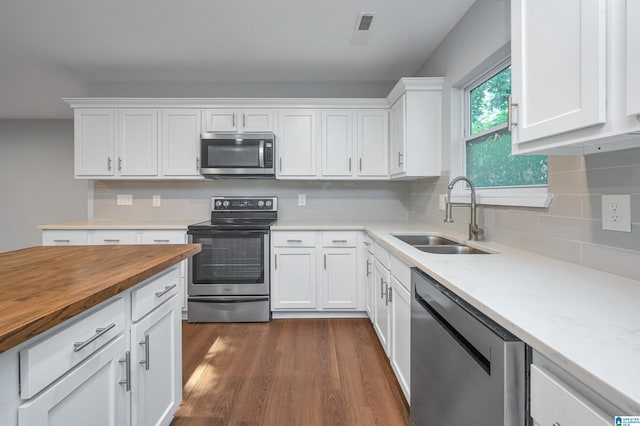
pixel 520 196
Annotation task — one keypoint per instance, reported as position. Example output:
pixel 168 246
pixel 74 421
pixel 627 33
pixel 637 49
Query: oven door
pixel 232 262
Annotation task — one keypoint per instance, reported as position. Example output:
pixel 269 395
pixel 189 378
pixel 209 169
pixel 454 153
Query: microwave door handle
pixel 261 154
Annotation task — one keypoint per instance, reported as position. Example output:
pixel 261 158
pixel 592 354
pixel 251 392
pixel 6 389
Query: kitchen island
pixel 80 324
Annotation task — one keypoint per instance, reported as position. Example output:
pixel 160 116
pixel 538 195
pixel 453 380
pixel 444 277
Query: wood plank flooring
pixel 288 372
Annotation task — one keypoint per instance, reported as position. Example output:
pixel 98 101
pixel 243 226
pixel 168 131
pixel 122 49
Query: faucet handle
pixel 476 232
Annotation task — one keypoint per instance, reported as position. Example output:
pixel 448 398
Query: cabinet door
pixel 298 143
pixel 256 120
pixel 220 120
pixel 398 125
pixel 633 57
pixel 401 334
pixel 94 142
pixel 138 142
pixel 294 278
pixel 156 365
pixel 558 62
pixel 91 394
pixel 373 143
pixel 337 143
pixel 339 278
pixel 382 316
pixel 180 138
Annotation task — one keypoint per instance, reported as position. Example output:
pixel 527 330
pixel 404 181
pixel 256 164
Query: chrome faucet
pixel 475 232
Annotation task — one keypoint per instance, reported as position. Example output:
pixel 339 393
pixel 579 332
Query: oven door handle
pixel 228 299
pixel 217 232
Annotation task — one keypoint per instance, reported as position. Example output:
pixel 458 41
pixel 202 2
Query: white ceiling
pixel 55 49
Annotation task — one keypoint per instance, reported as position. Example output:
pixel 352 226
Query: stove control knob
pixel 268 203
pixel 218 203
pixel 225 203
pixel 260 203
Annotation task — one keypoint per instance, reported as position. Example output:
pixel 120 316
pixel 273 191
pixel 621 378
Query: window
pixel 489 162
pixel 485 157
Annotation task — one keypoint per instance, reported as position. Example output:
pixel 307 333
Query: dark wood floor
pixel 288 372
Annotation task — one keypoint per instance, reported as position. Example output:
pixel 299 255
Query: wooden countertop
pixel 41 287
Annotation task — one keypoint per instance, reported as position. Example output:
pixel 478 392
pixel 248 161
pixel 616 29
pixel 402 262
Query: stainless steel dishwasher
pixel 465 368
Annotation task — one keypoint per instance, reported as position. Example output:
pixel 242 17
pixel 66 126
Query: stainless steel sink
pixel 452 249
pixel 437 244
pixel 425 240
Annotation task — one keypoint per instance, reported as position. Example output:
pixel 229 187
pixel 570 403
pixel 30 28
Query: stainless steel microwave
pixel 237 155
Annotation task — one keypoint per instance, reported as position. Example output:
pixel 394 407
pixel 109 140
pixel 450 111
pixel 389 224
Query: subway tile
pixel 622 240
pixel 567 228
pixel 566 163
pixel 613 260
pixel 548 246
pixel 626 157
pixel 568 183
pixel 565 205
pixel 618 180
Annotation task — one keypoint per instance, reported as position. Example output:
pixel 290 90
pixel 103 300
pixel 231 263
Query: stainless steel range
pixel 229 279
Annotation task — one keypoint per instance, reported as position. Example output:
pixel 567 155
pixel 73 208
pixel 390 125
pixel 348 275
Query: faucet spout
pixel 475 232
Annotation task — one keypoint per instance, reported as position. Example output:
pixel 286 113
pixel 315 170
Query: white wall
pixel 36 180
pixel 571 228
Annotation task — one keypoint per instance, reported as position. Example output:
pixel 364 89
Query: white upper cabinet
pixel 297 144
pixel 137 142
pixel 372 143
pixel 180 142
pixel 574 76
pixel 415 128
pixel 237 120
pixel 632 54
pixel 337 143
pixel 95 142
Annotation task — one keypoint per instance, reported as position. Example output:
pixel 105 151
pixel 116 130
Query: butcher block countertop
pixel 43 286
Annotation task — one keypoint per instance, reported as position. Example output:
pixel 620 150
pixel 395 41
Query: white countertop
pixel 584 320
pixel 119 224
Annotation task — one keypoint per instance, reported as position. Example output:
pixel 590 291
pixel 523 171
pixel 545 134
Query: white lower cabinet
pixel 156 389
pixel 367 274
pixel 401 334
pixel 294 278
pixel 339 278
pixel 90 395
pixel 382 314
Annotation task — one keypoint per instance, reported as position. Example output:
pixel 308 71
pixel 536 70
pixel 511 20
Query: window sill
pixel 537 199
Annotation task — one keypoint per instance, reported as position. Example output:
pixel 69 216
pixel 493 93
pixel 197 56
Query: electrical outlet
pixel 442 202
pixel 302 199
pixel 156 201
pixel 616 212
pixel 124 199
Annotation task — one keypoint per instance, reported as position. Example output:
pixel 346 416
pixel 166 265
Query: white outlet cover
pixel 156 201
pixel 442 201
pixel 616 212
pixel 302 199
pixel 124 199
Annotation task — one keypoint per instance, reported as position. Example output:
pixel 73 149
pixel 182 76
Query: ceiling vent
pixel 361 31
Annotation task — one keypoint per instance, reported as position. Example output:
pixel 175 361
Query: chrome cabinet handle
pixel 166 290
pixel 390 294
pixel 244 120
pixel 78 346
pixel 360 164
pixel 161 241
pixel 349 163
pixel 145 361
pixel 119 164
pixel 381 288
pixel 280 163
pixel 386 294
pixel 325 262
pixel 510 122
pixel 338 241
pixel 109 163
pixel 556 424
pixel 197 163
pixel 368 268
pixel 61 241
pixel 275 258
pixel 400 156
pixel 111 240
pixel 127 370
pixel 366 243
pixel 294 241
pixel 233 120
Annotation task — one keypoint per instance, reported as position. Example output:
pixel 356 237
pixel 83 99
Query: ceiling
pixel 55 49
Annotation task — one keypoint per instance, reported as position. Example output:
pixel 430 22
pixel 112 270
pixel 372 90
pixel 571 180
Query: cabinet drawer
pixel 294 239
pixel 45 361
pixel 162 237
pixel 382 255
pixel 339 239
pixel 368 242
pixel 154 293
pixel 64 238
pixel 401 271
pixel 554 402
pixel 112 237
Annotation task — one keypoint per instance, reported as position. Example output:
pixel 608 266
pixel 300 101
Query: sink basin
pixel 451 249
pixel 425 240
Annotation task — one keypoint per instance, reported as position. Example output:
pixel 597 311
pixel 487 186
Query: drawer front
pixel 112 237
pixel 162 237
pixel 401 271
pixel 64 238
pixel 45 361
pixel 293 239
pixel 339 239
pixel 554 402
pixel 382 255
pixel 368 242
pixel 154 292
